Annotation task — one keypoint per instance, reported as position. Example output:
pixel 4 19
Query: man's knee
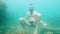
pixel 24 21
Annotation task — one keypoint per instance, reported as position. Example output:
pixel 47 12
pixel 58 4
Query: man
pixel 32 18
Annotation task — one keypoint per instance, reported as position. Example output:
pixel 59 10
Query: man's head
pixel 31 8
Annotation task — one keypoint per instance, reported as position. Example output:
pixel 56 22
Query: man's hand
pixel 43 23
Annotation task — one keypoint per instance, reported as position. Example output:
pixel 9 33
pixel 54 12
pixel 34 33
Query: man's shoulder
pixel 37 13
pixel 28 12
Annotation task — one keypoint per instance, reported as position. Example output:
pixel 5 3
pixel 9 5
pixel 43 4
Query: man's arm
pixel 43 23
pixel 27 17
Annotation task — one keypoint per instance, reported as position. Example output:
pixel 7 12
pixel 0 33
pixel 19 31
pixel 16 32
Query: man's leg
pixel 24 21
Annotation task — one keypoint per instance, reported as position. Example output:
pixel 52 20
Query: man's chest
pixel 32 17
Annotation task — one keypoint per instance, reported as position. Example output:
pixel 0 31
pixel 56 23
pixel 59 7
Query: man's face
pixel 31 8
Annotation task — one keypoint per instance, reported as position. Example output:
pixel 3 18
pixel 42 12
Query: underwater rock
pixel 2 12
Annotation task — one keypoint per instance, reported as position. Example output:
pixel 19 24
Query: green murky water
pixel 49 9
